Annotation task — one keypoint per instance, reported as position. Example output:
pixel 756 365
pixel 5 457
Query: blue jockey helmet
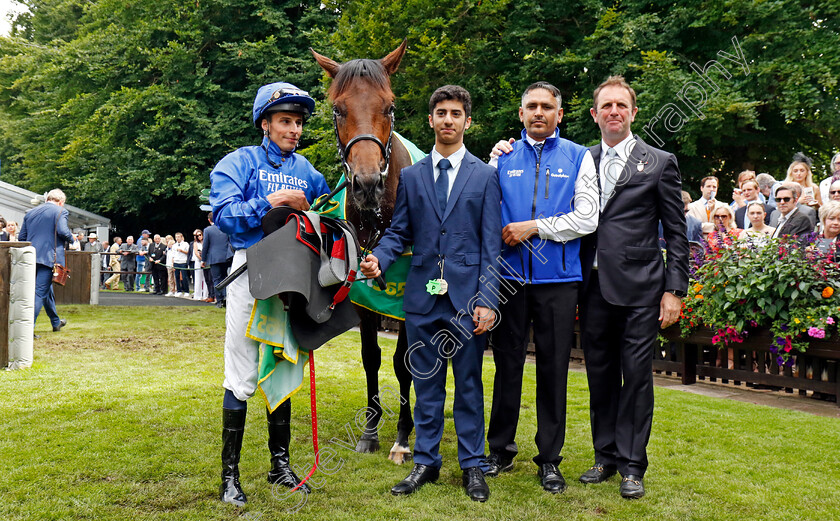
pixel 281 97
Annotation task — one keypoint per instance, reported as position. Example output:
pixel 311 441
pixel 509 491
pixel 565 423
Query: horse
pixel 363 117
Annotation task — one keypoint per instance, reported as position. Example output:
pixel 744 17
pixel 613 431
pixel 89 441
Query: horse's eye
pixel 391 110
pixel 337 113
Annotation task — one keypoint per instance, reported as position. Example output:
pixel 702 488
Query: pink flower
pixel 816 332
pixel 829 321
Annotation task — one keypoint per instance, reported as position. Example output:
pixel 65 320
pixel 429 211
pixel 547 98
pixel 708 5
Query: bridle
pixel 344 150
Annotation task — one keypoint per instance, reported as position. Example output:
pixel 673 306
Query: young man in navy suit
pixel 448 208
pixel 46 228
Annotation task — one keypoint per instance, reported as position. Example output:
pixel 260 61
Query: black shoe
pixel 419 476
pixel 598 473
pixel 474 484
pixel 632 487
pixel 220 303
pixel 60 325
pixel 496 464
pixel 279 435
pixel 230 491
pixel 551 479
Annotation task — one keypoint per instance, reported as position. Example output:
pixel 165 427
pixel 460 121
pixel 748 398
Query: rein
pixel 344 150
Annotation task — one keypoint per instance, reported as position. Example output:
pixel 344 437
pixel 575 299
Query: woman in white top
pixel 756 228
pixel 826 183
pixel 200 288
pixel 11 229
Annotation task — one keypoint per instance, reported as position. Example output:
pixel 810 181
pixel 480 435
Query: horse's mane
pixel 371 70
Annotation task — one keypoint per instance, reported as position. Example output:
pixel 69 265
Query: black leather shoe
pixel 419 476
pixel 551 479
pixel 60 325
pixel 632 487
pixel 475 485
pixel 233 427
pixel 496 464
pixel 597 473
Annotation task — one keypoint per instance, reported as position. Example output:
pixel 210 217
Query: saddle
pixel 310 261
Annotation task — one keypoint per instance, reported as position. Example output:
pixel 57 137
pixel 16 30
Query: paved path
pixel 141 298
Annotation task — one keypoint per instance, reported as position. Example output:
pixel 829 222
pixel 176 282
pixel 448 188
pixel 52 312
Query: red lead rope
pixel 314 420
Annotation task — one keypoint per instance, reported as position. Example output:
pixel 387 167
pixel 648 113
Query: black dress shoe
pixel 598 473
pixel 475 485
pixel 496 464
pixel 60 325
pixel 632 487
pixel 419 476
pixel 551 479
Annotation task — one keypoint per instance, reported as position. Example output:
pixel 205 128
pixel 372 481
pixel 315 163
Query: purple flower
pixel 784 328
pixel 780 341
pixel 780 360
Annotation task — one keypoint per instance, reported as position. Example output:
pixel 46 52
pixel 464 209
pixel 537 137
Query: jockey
pixel 245 185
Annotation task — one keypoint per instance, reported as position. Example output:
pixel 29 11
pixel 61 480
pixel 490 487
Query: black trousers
pixel 208 281
pixel 551 310
pixel 218 272
pixel 618 345
pixel 161 278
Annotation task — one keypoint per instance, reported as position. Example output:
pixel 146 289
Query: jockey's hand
pixel 483 318
pixel 502 147
pixel 289 197
pixel 370 267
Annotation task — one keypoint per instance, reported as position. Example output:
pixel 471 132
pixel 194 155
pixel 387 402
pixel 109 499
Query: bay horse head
pixel 363 115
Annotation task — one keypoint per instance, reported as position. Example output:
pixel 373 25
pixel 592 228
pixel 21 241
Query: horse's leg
pixel 401 452
pixel 371 360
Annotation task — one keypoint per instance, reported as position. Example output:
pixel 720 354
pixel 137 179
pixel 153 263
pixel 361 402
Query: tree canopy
pixel 128 105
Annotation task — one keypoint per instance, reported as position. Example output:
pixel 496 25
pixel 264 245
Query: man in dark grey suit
pixel 792 220
pixel 46 228
pixel 628 289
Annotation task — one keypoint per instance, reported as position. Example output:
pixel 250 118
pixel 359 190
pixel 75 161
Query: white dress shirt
pixel 455 159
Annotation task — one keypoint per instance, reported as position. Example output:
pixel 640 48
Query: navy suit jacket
pixel 46 228
pixel 631 270
pixel 467 236
pixel 216 248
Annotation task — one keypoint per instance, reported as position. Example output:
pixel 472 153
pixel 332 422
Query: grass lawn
pixel 120 419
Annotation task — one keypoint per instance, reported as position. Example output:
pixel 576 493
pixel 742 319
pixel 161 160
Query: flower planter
pixel 817 370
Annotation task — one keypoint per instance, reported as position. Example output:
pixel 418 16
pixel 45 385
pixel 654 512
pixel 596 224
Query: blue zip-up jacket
pixel 242 180
pixel 537 187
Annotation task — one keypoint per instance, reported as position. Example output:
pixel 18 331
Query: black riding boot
pixel 279 434
pixel 233 427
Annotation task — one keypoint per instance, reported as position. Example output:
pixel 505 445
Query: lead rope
pixel 314 420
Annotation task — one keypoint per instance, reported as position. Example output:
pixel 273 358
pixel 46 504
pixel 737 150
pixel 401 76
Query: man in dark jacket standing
pixel 216 255
pixel 157 258
pixel 628 289
pixel 46 228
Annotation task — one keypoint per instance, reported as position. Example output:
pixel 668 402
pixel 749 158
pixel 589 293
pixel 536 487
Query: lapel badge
pixel 640 167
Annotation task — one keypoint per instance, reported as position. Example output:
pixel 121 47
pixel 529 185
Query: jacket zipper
pixel 533 214
pixel 564 257
pixel 547 175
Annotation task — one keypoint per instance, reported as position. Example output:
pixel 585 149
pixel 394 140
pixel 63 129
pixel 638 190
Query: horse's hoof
pixel 367 446
pixel 400 454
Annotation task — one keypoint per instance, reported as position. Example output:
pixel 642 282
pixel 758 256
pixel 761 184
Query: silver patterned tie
pixel 612 170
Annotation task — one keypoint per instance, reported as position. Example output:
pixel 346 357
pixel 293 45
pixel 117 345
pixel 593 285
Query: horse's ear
pixel 392 61
pixel 327 64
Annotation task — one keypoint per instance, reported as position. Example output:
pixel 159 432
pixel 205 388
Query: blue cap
pixel 281 97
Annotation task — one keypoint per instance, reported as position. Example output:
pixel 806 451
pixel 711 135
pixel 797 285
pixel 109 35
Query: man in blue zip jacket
pixel 549 201
pixel 245 185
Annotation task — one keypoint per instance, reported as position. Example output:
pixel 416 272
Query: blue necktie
pixel 442 183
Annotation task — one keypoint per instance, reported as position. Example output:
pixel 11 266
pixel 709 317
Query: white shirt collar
pixel 624 148
pixel 533 141
pixel 455 158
